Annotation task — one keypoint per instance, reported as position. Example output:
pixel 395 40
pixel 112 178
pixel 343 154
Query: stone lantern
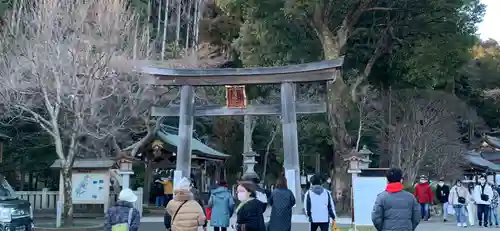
pixel 365 154
pixel 125 163
pixel 355 164
pixel 249 165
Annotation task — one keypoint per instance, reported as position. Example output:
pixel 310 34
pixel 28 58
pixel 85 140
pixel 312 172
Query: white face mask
pixel 242 196
pixel 441 184
pixel 482 181
pixel 422 181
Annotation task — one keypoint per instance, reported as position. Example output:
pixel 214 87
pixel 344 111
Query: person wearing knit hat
pixel 127 195
pixel 123 216
pixel 183 184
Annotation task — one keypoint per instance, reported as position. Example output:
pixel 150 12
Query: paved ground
pixel 161 227
pixel 425 226
pixel 304 227
pixel 156 224
pixel 449 226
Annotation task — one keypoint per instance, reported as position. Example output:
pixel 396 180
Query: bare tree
pixel 274 125
pixel 61 67
pixel 361 110
pixel 424 133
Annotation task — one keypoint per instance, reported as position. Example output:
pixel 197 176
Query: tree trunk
pixel 68 200
pixel 337 109
pixel 387 153
pixel 178 28
pixel 22 175
pixel 189 23
pixel 159 20
pixel 165 30
pixel 147 180
pixel 115 177
pixel 30 181
pixel 37 177
pixel 389 121
pixel 266 155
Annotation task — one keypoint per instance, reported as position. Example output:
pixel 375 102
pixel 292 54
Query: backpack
pixel 124 226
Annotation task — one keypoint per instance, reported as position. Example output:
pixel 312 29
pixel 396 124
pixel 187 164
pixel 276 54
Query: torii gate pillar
pixel 186 120
pixel 290 142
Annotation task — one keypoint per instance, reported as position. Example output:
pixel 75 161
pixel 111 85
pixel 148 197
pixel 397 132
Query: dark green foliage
pixel 30 151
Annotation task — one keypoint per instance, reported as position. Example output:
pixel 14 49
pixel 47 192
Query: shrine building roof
pixel 168 135
pixel 492 141
pixel 198 148
pixel 476 158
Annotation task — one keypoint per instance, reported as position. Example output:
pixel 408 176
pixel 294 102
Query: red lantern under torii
pixel 236 96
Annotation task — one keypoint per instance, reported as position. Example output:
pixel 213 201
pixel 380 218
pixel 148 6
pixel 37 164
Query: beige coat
pixel 190 216
pixel 456 192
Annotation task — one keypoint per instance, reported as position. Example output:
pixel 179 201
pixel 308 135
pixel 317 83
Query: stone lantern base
pixel 250 176
pixel 249 163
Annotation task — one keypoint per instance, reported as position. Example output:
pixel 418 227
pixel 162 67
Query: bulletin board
pixel 90 187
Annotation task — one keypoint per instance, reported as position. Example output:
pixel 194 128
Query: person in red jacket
pixel 424 195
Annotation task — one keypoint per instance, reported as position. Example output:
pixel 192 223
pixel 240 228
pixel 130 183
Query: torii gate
pixel 287 76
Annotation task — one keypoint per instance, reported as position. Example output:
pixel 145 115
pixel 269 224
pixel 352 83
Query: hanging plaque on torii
pixel 236 96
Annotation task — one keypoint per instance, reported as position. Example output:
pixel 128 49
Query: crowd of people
pixel 475 203
pixel 397 209
pixel 185 211
pixel 394 208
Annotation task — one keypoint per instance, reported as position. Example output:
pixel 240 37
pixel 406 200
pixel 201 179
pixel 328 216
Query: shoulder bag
pixel 177 211
pixel 461 200
pixel 484 197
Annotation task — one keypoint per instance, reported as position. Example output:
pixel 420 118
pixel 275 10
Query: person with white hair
pixel 183 213
pixel 123 216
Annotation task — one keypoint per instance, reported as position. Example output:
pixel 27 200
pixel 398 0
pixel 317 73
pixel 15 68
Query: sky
pixel 490 27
